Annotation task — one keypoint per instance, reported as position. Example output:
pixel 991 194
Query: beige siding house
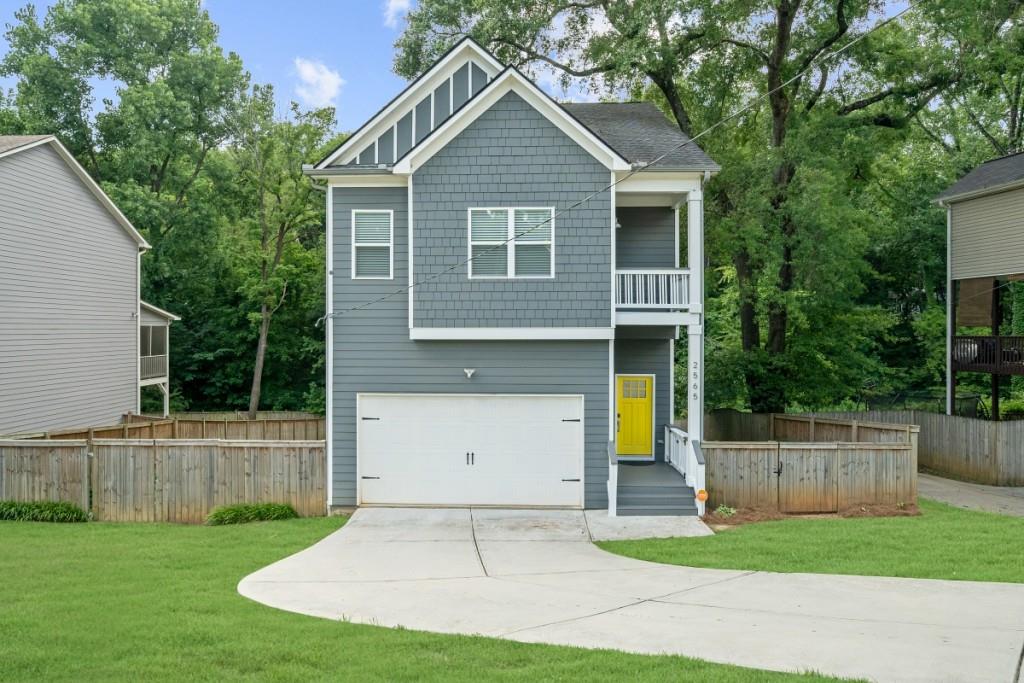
pixel 70 341
pixel 985 243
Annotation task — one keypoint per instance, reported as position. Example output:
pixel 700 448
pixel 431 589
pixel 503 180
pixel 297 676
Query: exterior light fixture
pixel 469 372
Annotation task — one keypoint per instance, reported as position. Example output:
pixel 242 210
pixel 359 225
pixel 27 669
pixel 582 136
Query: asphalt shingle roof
pixel 9 142
pixel 640 132
pixel 991 174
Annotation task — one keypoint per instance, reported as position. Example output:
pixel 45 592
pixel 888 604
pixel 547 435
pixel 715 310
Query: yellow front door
pixel 634 403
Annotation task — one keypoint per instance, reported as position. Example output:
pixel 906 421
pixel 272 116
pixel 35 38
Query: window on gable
pixel 511 243
pixel 372 244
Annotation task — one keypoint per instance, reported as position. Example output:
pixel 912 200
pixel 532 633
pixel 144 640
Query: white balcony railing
pixel 684 454
pixel 643 288
pixel 151 367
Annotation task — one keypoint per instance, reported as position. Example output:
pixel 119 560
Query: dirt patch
pixel 902 510
pixel 719 522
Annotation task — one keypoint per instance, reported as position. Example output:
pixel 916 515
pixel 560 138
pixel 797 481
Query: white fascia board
pixel 655 319
pixel 388 116
pixel 984 192
pixel 510 81
pixel 369 180
pixel 155 310
pixel 659 182
pixel 84 176
pixel 510 333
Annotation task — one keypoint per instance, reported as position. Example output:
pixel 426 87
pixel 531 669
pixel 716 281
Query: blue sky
pixel 315 52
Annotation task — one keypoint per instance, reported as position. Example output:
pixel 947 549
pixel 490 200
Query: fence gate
pixel 808 477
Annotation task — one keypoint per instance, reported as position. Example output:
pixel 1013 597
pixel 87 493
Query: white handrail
pixel 613 480
pixel 684 454
pixel 664 288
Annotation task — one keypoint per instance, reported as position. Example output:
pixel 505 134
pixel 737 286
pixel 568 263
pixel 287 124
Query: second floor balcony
pixel 652 296
pixel 998 355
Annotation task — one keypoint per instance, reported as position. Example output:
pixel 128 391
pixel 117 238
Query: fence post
pixel 771 426
pixel 811 435
pixel 204 427
pixel 854 425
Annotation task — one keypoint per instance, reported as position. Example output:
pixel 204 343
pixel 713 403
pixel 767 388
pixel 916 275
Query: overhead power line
pixel 637 168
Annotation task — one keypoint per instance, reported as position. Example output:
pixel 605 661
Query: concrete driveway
pixel 1004 500
pixel 534 576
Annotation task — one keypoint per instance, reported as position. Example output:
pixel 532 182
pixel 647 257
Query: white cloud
pixel 318 85
pixel 394 10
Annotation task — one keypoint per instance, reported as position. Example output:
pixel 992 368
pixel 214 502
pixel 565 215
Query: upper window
pixel 372 244
pixel 506 243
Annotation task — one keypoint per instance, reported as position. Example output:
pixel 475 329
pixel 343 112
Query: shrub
pixel 41 511
pixel 725 511
pixel 250 512
pixel 1012 409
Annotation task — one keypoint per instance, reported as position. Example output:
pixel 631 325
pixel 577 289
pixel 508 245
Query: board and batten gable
pixel 68 300
pixel 511 156
pixel 373 353
pixel 988 235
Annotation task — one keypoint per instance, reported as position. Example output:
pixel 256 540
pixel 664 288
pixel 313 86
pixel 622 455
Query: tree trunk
pixel 261 353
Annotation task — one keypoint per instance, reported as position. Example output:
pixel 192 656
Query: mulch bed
pixel 754 515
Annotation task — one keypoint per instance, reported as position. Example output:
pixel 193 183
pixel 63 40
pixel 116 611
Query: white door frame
pixel 654 414
pixel 583 445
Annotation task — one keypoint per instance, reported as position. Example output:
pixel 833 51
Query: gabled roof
pixel 640 132
pixel 15 144
pixel 362 135
pixel 992 176
pixel 158 311
pixel 510 80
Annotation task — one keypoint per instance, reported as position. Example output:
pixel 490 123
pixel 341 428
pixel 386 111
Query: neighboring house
pixel 70 346
pixel 504 295
pixel 985 251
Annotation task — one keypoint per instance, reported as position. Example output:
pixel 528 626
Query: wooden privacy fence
pixel 164 480
pixel 302 429
pixel 984 451
pixel 797 463
pixel 228 415
pixel 52 471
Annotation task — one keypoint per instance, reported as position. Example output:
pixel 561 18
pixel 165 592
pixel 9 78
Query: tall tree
pixel 278 241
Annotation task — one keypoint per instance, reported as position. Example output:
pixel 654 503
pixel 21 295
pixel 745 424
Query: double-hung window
pixel 373 243
pixel 511 243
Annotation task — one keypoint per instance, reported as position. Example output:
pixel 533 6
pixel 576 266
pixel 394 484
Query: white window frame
pixel 390 244
pixel 509 241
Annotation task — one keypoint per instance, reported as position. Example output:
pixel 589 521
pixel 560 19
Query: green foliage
pixel 725 511
pixel 1012 409
pixel 244 513
pixel 41 511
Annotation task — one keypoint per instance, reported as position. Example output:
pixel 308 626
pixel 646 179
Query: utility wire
pixel 637 168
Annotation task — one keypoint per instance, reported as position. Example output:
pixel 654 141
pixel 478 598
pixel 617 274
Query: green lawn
pixel 943 543
pixel 158 602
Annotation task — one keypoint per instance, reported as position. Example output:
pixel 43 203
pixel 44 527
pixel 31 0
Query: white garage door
pixel 479 449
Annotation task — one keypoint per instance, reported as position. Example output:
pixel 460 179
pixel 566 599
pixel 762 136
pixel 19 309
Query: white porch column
pixel 695 333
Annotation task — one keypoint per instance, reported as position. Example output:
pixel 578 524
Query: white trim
pixel 394 142
pixel 611 390
pixel 983 192
pixel 510 81
pixel 510 241
pixel 657 318
pixel 390 244
pixel 138 333
pixel 649 199
pixel 583 430
pixel 158 311
pixel 950 398
pixel 91 184
pixel 369 180
pixel 511 333
pixel 660 182
pixel 671 383
pixel 614 244
pixel 329 324
pixel 375 127
pixel 408 257
pixel 654 416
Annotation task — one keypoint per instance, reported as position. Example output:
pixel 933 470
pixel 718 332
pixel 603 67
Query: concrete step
pixel 668 498
pixel 645 490
pixel 657 510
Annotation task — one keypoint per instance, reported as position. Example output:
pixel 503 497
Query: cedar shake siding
pixel 511 156
pixel 68 299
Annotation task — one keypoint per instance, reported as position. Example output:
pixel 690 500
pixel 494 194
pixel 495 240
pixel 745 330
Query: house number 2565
pixel 695 376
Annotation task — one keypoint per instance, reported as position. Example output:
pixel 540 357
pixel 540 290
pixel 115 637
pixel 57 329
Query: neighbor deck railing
pixel 999 355
pixel 151 367
pixel 666 288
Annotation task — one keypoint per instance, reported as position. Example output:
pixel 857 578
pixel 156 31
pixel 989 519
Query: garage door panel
pixel 524 450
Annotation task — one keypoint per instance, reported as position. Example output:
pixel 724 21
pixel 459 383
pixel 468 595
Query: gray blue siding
pixel 373 353
pixel 646 238
pixel 512 156
pixel 68 297
pixel 650 357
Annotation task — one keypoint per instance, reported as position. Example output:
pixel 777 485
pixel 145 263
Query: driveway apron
pixel 534 576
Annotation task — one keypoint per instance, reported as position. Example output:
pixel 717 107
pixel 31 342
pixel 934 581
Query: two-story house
pixel 504 295
pixel 76 342
pixel 985 252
